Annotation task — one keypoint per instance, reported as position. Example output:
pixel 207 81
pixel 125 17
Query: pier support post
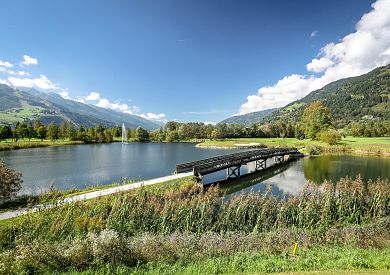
pixel 278 159
pixel 261 164
pixel 198 176
pixel 233 172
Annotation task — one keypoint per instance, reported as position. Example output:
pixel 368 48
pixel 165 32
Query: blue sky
pixel 186 60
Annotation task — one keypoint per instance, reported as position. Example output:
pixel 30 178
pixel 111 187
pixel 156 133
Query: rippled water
pixel 80 166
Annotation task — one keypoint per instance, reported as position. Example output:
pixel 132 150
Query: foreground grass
pixel 34 143
pixel 183 228
pixel 331 260
pixel 362 145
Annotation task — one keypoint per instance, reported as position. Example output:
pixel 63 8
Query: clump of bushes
pixel 330 136
pixel 10 182
pixel 313 150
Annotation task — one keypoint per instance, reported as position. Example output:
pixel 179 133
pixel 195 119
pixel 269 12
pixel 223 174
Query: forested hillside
pixel 249 118
pixel 351 99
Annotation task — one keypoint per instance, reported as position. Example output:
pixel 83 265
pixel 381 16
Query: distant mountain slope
pixel 17 105
pixel 249 118
pixel 349 99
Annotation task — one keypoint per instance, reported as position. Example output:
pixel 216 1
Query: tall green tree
pixel 5 132
pixel 52 131
pixel 41 132
pixel 142 135
pixel 316 118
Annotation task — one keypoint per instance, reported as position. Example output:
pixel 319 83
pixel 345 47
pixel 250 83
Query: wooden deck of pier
pixel 233 162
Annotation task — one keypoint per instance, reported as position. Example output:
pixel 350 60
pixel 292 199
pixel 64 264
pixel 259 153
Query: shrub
pixel 10 182
pixel 313 150
pixel 330 136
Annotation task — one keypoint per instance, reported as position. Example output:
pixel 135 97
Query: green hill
pixel 249 118
pixel 350 99
pixel 17 105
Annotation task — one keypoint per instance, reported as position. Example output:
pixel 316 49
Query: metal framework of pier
pixel 233 162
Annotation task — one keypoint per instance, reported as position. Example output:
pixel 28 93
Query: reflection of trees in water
pixel 317 169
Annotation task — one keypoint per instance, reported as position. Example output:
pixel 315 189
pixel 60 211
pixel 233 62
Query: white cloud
pixel 93 96
pixel 210 123
pixel 65 94
pixel 6 64
pixel 156 117
pixel 95 99
pixel 355 54
pixel 28 60
pixel 11 72
pixel 319 65
pixel 4 81
pixel 42 82
pixel 314 33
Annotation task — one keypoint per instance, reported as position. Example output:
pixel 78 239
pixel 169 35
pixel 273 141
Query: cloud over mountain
pixel 356 53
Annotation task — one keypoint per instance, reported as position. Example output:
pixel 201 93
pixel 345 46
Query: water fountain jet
pixel 124 134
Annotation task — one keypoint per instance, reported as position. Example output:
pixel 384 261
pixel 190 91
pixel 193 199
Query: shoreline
pixel 36 144
pixel 348 151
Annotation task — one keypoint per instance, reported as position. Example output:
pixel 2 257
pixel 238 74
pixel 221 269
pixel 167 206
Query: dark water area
pixel 80 166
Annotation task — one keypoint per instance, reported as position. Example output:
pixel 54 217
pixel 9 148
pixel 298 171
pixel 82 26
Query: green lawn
pixel 374 145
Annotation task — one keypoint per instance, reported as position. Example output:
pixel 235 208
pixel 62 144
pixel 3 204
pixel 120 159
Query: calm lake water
pixel 80 166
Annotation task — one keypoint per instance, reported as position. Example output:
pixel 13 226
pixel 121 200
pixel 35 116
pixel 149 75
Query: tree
pixel 30 132
pixel 316 118
pixel 173 136
pixel 52 131
pixel 215 134
pixel 41 132
pixel 142 135
pixel 10 182
pixel 37 124
pixel 5 132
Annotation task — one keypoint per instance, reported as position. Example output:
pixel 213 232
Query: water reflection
pixel 81 166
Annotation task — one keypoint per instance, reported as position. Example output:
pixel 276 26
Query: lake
pixel 80 166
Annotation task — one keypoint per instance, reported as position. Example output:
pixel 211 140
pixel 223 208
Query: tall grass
pixel 190 223
pixel 193 209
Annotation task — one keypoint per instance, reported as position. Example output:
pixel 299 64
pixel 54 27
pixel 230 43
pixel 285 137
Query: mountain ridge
pixel 249 118
pixel 18 105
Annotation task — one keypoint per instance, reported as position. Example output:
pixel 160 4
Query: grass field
pixel 363 145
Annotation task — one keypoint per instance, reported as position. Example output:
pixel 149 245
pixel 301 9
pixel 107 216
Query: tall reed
pixel 193 209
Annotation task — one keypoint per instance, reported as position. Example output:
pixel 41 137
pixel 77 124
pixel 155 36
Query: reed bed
pixel 189 223
pixel 190 208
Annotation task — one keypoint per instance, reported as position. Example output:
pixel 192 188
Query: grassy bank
pixel 375 145
pixel 34 143
pixel 184 228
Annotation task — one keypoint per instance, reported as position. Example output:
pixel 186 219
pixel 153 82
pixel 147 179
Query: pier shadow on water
pixel 254 181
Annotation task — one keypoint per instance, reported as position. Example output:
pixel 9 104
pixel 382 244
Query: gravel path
pixel 90 195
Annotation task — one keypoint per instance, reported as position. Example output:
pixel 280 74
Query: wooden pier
pixel 233 162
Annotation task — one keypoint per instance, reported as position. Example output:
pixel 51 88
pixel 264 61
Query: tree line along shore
pixel 316 132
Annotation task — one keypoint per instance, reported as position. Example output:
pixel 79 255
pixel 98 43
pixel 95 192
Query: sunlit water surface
pixel 80 166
